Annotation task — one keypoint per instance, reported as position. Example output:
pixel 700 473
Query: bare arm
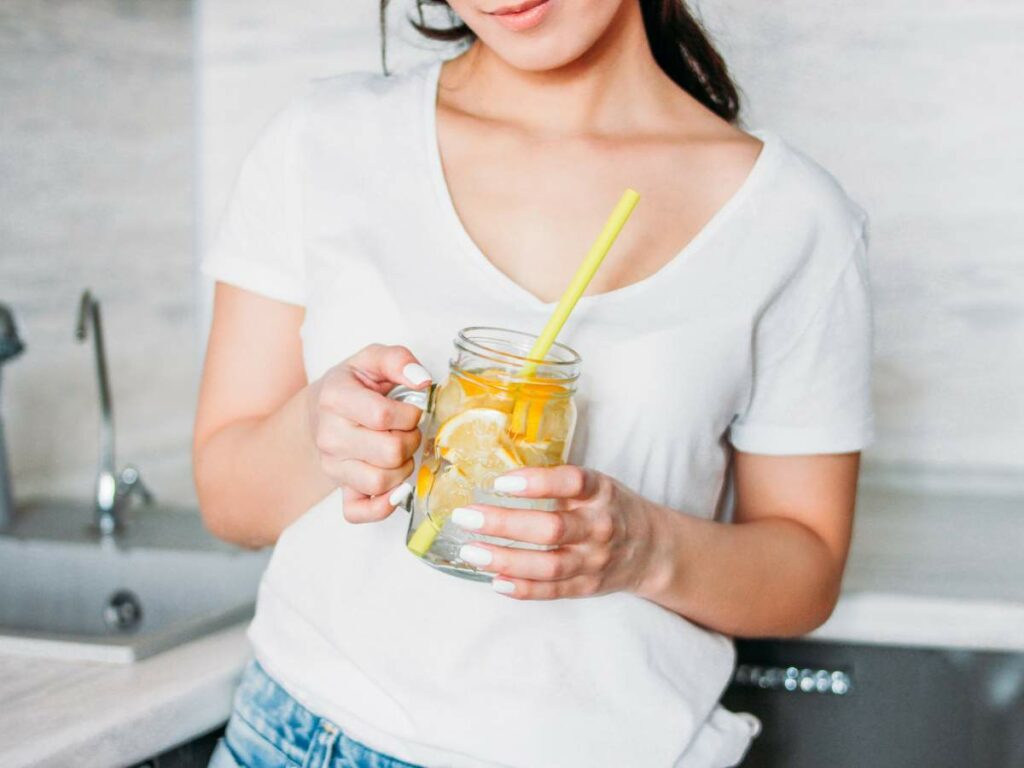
pixel 268 444
pixel 252 430
pixel 775 572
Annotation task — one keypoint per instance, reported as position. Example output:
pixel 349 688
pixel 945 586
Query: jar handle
pixel 421 398
pixel 424 400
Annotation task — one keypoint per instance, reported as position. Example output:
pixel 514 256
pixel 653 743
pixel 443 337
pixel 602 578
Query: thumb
pixel 380 366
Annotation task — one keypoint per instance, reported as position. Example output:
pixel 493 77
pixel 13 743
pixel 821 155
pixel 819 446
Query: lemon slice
pixel 448 490
pixel 448 401
pixel 475 436
pixel 541 453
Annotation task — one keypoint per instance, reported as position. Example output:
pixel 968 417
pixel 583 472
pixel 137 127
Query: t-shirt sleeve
pixel 811 394
pixel 258 244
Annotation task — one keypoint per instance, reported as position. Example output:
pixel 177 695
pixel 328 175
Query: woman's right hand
pixel 364 440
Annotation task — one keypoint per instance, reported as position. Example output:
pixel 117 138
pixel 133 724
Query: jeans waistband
pixel 304 737
pixel 272 711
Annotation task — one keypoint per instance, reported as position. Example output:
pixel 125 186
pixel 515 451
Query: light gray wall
pixel 916 106
pixel 96 170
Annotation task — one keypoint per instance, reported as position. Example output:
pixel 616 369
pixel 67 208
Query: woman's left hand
pixel 602 535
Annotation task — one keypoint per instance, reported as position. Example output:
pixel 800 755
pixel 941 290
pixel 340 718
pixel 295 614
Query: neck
pixel 607 90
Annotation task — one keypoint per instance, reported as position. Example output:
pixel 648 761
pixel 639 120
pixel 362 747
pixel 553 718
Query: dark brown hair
pixel 678 41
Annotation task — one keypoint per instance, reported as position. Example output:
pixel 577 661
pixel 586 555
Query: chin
pixel 540 55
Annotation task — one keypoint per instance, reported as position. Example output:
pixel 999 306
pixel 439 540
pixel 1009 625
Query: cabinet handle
pixel 793 679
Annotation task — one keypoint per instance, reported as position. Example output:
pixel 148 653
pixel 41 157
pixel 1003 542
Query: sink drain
pixel 123 610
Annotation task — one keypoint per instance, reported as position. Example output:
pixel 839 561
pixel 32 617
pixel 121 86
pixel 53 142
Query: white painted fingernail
pixel 416 374
pixel 503 587
pixel 509 484
pixel 400 494
pixel 475 555
pixel 464 517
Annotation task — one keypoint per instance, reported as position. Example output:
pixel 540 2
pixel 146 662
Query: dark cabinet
pixel 194 754
pixel 825 705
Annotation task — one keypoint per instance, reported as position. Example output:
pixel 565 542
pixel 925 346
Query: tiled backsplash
pixel 908 104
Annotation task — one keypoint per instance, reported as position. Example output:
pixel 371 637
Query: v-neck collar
pixel 471 252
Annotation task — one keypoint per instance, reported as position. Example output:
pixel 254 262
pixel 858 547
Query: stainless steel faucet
pixel 113 491
pixel 10 347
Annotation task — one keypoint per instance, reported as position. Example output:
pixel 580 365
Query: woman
pixel 726 346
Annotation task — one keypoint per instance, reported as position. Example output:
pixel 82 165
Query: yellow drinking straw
pixel 581 279
pixel 423 537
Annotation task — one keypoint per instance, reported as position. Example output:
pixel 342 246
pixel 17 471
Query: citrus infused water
pixel 486 420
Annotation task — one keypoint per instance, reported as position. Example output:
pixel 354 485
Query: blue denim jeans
pixel 270 729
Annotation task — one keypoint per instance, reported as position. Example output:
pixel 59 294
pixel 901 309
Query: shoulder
pixel 350 119
pixel 804 229
pixel 807 194
pixel 366 96
pixel 805 233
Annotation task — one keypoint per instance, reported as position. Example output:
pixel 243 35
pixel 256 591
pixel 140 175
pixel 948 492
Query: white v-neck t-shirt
pixel 755 336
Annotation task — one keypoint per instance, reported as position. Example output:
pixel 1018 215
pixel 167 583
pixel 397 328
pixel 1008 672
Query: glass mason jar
pixel 497 411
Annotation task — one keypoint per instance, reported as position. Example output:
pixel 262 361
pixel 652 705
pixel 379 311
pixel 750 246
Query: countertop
pixel 925 570
pixel 58 714
pixel 933 570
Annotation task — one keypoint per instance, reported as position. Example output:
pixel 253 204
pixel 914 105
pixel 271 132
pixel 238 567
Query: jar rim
pixel 472 340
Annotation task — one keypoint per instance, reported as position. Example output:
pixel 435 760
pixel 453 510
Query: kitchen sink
pixel 68 592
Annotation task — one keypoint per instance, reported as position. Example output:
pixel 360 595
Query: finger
pixel 365 478
pixel 391 449
pixel 388 449
pixel 360 508
pixel 525 589
pixel 527 525
pixel 384 366
pixel 563 482
pixel 541 565
pixel 354 402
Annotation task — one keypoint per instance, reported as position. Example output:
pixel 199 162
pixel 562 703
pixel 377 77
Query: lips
pixel 521 16
pixel 517 8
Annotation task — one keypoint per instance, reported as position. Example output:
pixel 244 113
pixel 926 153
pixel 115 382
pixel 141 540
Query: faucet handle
pixel 10 343
pixel 129 483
